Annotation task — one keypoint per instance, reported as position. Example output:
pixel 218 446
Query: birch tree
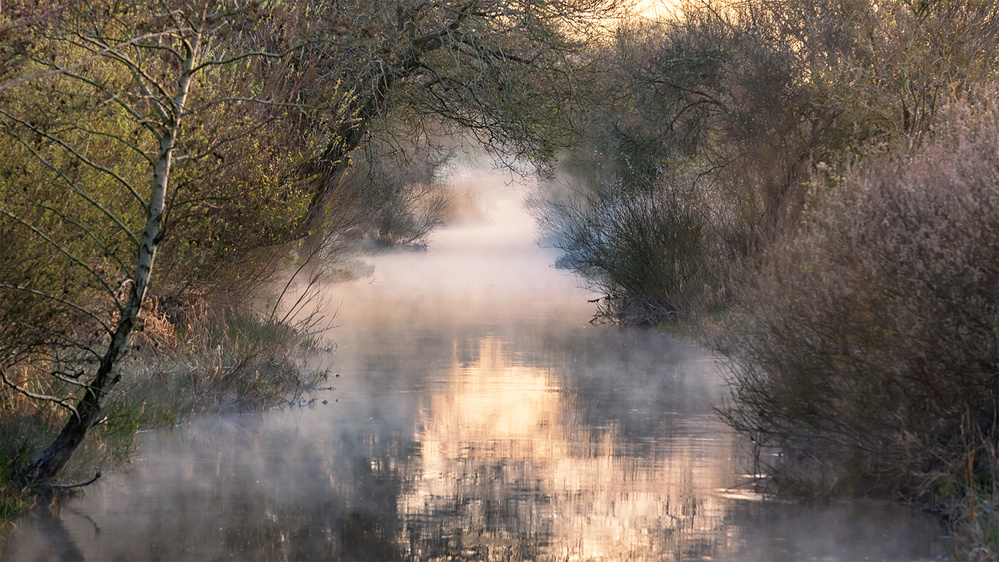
pixel 117 117
pixel 99 117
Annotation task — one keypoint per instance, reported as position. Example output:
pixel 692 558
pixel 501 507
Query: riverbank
pixel 208 364
pixel 861 341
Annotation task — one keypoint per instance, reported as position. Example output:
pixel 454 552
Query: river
pixel 475 414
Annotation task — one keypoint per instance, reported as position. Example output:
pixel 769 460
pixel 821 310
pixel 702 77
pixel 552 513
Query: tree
pixel 138 131
pixel 112 105
pixel 500 70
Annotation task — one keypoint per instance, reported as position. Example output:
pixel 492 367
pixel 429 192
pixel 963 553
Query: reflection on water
pixel 510 468
pixel 476 415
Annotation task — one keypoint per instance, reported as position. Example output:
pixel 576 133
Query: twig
pixel 78 485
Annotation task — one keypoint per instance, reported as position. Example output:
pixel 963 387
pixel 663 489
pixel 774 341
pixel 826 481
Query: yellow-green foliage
pixel 67 211
pixel 80 124
pixel 233 209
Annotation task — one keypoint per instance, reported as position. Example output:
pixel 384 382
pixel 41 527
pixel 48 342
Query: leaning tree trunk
pixel 51 461
pixel 329 171
pixel 330 168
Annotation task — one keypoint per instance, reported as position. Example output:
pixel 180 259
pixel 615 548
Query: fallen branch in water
pixel 78 485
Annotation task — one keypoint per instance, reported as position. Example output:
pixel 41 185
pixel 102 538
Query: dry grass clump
pixel 866 349
pixel 222 363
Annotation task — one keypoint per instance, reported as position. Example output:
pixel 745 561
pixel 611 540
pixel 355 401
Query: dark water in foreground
pixel 476 416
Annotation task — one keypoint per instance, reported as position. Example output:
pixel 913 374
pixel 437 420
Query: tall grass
pixel 224 363
pixel 865 350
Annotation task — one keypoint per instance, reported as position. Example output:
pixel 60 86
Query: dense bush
pixel 645 249
pixel 866 348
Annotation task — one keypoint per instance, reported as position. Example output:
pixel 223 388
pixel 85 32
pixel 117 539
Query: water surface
pixel 476 415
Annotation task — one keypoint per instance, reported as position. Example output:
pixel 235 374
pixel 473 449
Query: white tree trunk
pixel 48 464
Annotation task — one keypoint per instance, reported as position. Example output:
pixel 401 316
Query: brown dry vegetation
pixel 865 349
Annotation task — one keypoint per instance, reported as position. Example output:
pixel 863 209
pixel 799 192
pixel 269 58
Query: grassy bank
pixel 210 364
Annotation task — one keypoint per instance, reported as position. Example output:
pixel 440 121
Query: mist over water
pixel 476 415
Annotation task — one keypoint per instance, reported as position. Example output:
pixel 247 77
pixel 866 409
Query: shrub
pixel 866 348
pixel 644 249
pixel 398 197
